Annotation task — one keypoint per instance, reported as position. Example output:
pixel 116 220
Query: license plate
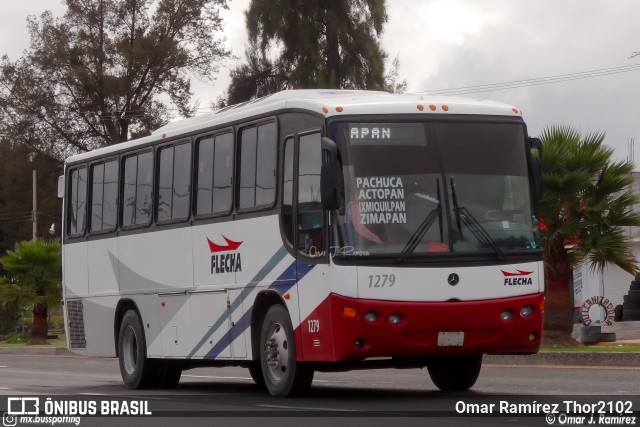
pixel 450 339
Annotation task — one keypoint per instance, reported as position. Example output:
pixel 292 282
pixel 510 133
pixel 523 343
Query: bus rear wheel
pixel 255 370
pixel 455 373
pixel 283 374
pixel 135 368
pixel 168 373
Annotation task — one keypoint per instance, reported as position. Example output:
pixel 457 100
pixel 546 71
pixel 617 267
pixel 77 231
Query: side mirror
pixel 330 175
pixel 536 166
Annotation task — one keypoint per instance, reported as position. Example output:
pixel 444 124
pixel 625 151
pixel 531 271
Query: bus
pixel 309 230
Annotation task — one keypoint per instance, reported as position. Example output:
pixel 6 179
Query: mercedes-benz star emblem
pixel 453 279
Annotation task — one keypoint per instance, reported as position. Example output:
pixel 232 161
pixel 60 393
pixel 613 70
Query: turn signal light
pixel 349 313
pixel 532 337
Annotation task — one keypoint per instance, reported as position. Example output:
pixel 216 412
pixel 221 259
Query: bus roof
pixel 321 101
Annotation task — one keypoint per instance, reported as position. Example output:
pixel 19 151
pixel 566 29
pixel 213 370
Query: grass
pixel 23 339
pixel 592 349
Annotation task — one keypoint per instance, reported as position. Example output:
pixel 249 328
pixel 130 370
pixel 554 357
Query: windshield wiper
pixel 424 227
pixel 463 215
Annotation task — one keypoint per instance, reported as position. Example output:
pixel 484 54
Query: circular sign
pixel 607 306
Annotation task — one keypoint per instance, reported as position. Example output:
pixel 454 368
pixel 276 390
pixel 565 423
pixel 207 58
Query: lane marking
pixel 217 377
pixel 250 379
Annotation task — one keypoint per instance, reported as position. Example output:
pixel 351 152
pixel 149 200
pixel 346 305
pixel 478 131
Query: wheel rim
pixel 130 350
pixel 276 352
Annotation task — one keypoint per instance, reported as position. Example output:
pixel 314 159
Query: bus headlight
pixel 506 315
pixel 370 316
pixel 526 311
pixel 395 319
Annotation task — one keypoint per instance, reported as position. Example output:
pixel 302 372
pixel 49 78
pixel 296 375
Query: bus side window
pixel 310 213
pixel 104 196
pixel 97 187
pixel 287 191
pixel 77 201
pixel 173 182
pixel 214 175
pixel 258 157
pixel 137 189
pixel 223 173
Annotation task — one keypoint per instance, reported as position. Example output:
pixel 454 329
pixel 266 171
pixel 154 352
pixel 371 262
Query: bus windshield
pixel 415 189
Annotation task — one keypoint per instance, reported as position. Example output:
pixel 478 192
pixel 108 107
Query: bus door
pixel 301 197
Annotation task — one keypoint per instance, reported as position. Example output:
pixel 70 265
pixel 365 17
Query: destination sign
pixel 387 134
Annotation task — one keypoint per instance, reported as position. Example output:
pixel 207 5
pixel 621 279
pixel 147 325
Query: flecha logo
pixel 518 278
pixel 229 262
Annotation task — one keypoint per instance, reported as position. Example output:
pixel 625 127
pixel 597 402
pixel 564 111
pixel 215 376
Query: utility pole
pixel 35 209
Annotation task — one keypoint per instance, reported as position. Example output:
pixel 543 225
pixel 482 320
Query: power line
pixel 535 81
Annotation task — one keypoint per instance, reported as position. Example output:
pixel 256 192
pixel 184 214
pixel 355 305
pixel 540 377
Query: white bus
pixel 310 230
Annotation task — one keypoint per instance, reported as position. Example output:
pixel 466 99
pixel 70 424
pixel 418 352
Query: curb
pixel 566 359
pixel 34 351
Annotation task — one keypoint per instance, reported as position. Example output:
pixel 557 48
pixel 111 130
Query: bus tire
pixel 255 370
pixel 283 375
pixel 136 370
pixel 455 373
pixel 168 373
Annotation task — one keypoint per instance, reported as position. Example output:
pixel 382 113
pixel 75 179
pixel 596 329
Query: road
pixel 228 396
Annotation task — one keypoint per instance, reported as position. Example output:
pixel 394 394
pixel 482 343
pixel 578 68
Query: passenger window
pixel 215 175
pixel 258 158
pixel 104 196
pixel 266 165
pixel 77 198
pixel 223 173
pixel 248 143
pixel 97 186
pixel 173 182
pixel 137 189
pixel 110 195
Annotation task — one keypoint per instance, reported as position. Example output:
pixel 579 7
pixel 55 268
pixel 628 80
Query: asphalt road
pixel 228 396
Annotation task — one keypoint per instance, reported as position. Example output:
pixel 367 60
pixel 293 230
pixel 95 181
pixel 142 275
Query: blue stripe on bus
pixel 223 319
pixel 282 284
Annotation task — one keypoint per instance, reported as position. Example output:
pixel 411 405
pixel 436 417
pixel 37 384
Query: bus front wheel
pixel 283 375
pixel 455 373
pixel 135 368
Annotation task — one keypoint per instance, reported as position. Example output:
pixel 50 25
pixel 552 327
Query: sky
pixel 446 44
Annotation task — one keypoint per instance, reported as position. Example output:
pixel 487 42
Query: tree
pixel 107 70
pixel 34 274
pixel 312 44
pixel 586 203
pixel 16 200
